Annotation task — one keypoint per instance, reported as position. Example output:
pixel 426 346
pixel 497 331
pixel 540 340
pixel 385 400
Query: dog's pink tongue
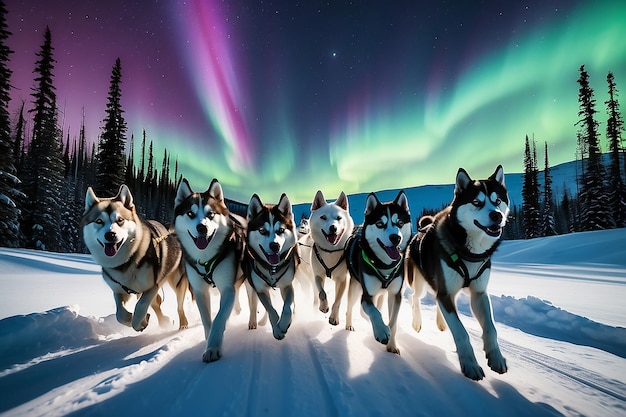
pixel 392 252
pixel 273 258
pixel 110 249
pixel 202 242
pixel 332 239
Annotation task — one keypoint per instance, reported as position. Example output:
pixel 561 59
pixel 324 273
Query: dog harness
pixel 329 271
pixel 359 261
pixel 250 262
pixel 232 243
pixel 455 259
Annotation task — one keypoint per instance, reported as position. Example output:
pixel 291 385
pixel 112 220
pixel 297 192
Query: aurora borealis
pixel 360 96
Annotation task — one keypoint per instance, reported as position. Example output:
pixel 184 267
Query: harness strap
pixel 354 261
pixel 250 264
pixel 129 291
pixel 329 271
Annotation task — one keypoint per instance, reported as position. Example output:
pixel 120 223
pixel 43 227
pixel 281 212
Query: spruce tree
pixel 43 176
pixel 111 159
pixel 9 212
pixel 530 193
pixel 549 226
pixel 614 128
pixel 594 201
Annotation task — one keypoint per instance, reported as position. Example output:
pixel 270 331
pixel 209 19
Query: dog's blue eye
pixel 191 214
pixel 99 222
pixel 338 217
pixel 280 231
pixel 120 221
pixel 211 215
pixel 323 217
pixel 497 202
pixel 400 223
pixel 380 224
pixel 476 202
pixel 263 231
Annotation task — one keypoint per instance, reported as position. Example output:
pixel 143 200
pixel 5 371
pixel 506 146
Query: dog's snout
pixel 274 247
pixel 110 236
pixel 332 229
pixel 395 239
pixel 496 216
pixel 201 229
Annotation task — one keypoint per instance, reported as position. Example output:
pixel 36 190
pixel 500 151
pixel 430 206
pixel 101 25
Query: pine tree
pixel 614 128
pixel 530 193
pixel 43 166
pixel 9 211
pixel 594 201
pixel 111 159
pixel 549 226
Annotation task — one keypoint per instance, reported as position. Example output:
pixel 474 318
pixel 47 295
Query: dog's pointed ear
pixel 215 190
pixel 371 203
pixel 342 201
pixel 90 199
pixel 498 175
pixel 402 201
pixel 284 206
pixel 254 208
pixel 184 191
pixel 125 196
pixel 462 180
pixel 318 201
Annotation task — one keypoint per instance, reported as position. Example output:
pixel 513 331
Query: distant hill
pixel 431 197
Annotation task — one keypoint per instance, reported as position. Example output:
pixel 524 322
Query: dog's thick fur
pixel 136 256
pixel 330 229
pixel 212 244
pixel 271 258
pixel 376 263
pixel 453 251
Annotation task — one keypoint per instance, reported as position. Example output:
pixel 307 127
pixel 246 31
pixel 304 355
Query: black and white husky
pixel 376 263
pixel 137 256
pixel 451 252
pixel 212 244
pixel 331 227
pixel 271 258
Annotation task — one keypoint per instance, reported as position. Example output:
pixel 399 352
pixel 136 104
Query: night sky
pixel 287 96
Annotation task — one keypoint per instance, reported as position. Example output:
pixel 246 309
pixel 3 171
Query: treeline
pixel 600 200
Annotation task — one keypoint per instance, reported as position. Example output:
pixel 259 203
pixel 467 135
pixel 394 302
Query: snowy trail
pixel 63 363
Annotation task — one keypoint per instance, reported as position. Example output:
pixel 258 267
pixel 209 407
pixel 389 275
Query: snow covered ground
pixel 558 303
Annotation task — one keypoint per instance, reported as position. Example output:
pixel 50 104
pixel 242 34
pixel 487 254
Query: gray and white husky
pixel 212 244
pixel 375 257
pixel 271 258
pixel 330 229
pixel 136 256
pixel 451 252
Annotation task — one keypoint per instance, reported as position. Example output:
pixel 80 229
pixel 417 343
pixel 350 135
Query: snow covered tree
pixel 9 212
pixel 594 202
pixel 530 193
pixel 111 159
pixel 43 174
pixel 614 128
pixel 549 225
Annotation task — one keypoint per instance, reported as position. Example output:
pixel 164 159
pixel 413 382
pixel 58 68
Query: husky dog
pixel 303 227
pixel 331 228
pixel 136 256
pixel 212 245
pixel 452 251
pixel 376 264
pixel 271 257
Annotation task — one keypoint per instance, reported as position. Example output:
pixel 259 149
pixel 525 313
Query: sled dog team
pixel 210 247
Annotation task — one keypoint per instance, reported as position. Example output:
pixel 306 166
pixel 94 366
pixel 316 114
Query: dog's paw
pixel 382 334
pixel 349 327
pixel 278 334
pixel 471 369
pixel 141 326
pixel 252 326
pixel 324 306
pixel 164 321
pixel 333 320
pixel 496 362
pixel 212 354
pixel 393 349
pixel 417 326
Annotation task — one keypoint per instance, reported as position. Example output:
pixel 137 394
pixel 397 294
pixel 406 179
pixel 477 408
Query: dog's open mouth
pixel 392 251
pixel 494 230
pixel 273 258
pixel 111 248
pixel 332 238
pixel 202 241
